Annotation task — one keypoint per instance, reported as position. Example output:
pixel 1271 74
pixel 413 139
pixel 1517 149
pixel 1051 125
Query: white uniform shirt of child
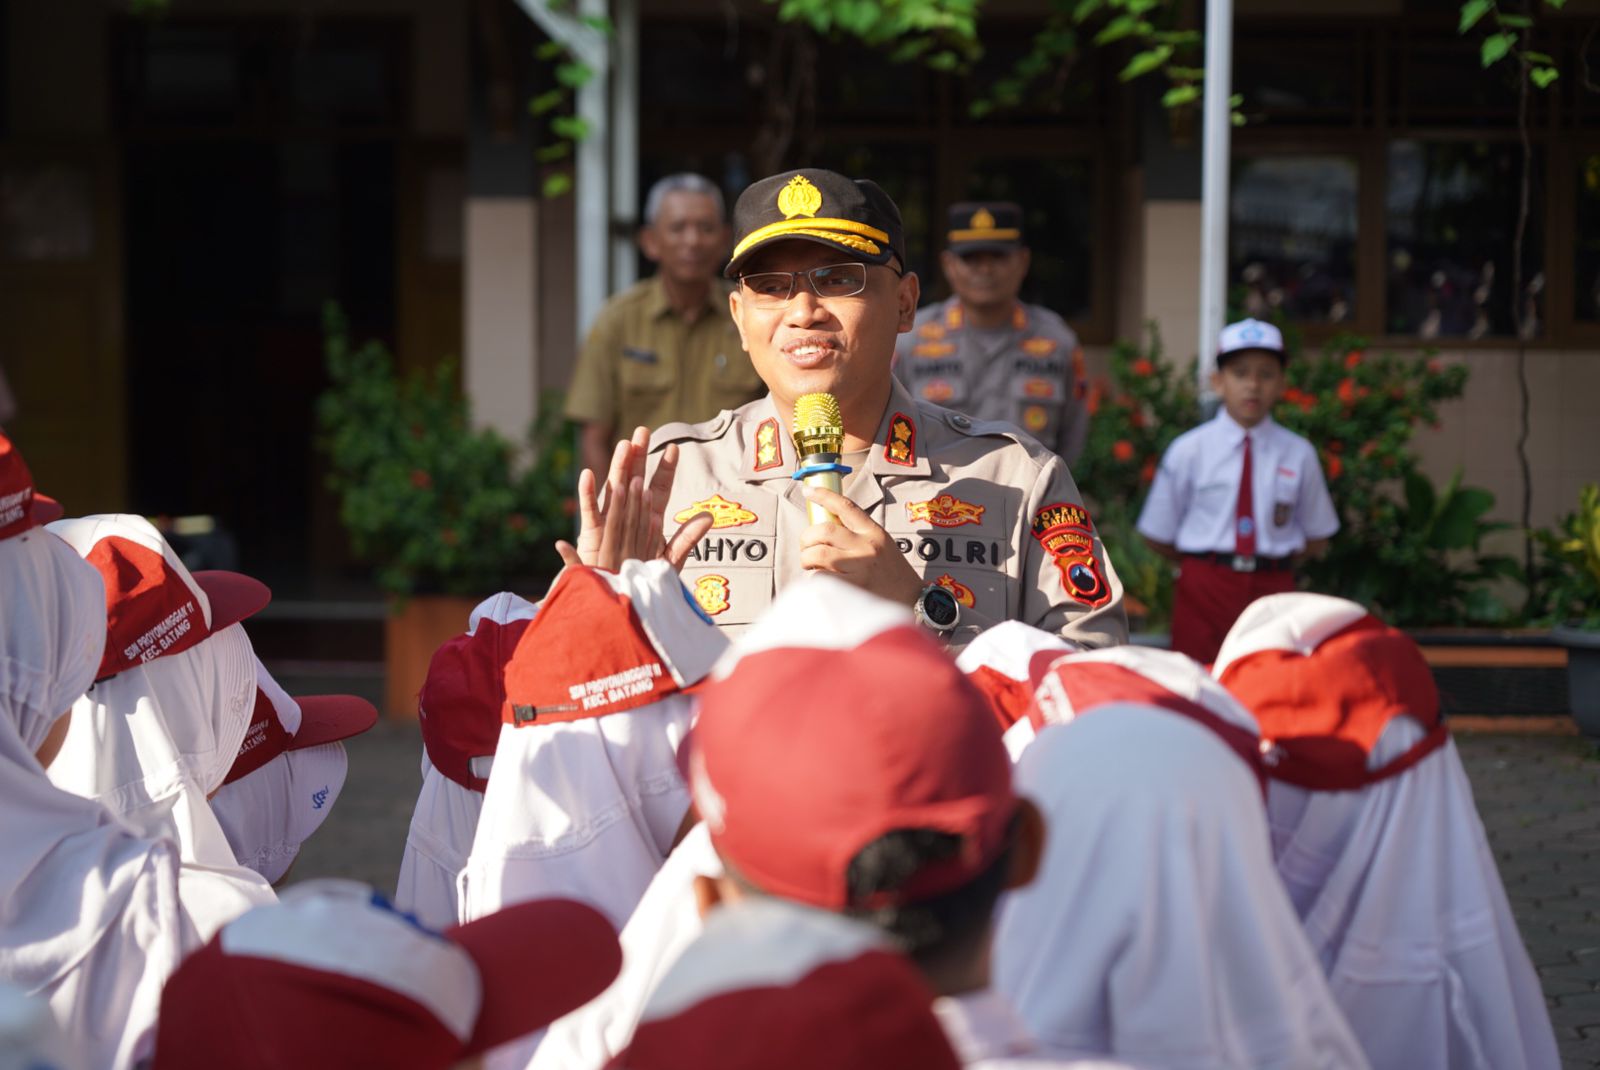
pixel 1193 502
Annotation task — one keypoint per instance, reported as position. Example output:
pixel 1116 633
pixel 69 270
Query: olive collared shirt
pixel 643 365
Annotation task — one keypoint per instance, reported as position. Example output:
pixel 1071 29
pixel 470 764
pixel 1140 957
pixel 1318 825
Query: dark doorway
pixel 260 175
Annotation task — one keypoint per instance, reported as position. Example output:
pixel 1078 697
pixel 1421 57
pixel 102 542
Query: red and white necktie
pixel 1244 524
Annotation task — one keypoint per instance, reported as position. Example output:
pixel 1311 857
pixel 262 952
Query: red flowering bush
pixel 1403 547
pixel 435 504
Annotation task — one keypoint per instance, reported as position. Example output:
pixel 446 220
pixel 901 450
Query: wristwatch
pixel 936 608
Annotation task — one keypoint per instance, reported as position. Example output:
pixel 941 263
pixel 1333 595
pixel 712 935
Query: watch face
pixel 940 607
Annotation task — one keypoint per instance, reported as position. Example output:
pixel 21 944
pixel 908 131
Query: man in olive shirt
pixel 665 349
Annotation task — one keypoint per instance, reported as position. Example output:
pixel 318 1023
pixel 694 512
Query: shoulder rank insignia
pixel 1065 532
pixel 945 511
pixel 938 391
pixel 724 514
pixel 902 445
pixel 1038 347
pixel 962 592
pixel 799 197
pixel 712 594
pixel 933 349
pixel 1019 317
pixel 931 331
pixel 1080 375
pixel 769 453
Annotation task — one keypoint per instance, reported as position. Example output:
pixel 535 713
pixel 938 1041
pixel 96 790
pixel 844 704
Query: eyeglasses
pixel 769 289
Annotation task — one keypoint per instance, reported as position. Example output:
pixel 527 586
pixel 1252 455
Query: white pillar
pixel 625 145
pixel 1214 185
pixel 500 279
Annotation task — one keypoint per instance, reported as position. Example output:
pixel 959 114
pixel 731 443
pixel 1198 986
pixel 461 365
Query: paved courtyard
pixel 1539 797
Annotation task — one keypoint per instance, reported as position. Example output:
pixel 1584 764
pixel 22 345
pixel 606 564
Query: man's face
pixel 1249 384
pixel 841 345
pixel 986 278
pixel 688 238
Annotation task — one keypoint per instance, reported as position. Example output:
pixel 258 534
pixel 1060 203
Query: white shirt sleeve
pixel 1164 506
pixel 1318 517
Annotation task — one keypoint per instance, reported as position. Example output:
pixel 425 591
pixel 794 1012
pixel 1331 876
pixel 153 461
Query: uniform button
pixel 722 362
pixel 961 421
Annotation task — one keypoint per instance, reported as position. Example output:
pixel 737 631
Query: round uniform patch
pixel 712 594
pixel 1035 418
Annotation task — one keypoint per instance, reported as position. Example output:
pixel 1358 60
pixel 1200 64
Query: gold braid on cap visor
pixel 987 234
pixel 846 232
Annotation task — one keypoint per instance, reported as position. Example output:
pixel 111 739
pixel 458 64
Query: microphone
pixel 818 440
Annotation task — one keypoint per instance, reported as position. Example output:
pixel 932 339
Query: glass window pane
pixel 1586 283
pixel 1292 237
pixel 1452 214
pixel 1292 80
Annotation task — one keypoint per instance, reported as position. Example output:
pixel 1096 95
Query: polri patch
pixel 1067 535
pixel 901 448
pixel 962 592
pixel 712 594
pixel 724 514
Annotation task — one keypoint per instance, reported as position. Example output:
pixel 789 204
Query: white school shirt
pixel 1195 496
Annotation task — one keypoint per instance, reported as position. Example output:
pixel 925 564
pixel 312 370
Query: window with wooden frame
pixel 1376 187
pixel 737 98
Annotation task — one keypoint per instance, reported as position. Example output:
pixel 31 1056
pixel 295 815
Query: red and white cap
pixel 332 976
pixel 839 721
pixel 464 696
pixel 1146 676
pixel 1006 663
pixel 154 605
pixel 21 507
pixel 279 724
pixel 1324 678
pixel 640 641
pixel 774 985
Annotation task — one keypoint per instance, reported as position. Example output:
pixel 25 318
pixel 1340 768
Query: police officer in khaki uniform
pixel 970 522
pixel 983 352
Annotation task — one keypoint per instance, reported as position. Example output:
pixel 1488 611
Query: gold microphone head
pixel 818 426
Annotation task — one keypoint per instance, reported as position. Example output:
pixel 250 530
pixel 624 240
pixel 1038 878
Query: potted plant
pixel 1571 575
pixel 446 513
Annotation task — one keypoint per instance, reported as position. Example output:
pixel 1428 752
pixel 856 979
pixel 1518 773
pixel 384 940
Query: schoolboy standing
pixel 1239 500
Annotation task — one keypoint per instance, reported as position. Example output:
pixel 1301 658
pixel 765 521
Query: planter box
pixel 1583 676
pixel 409 640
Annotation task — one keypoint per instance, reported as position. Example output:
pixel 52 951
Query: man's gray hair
pixel 682 182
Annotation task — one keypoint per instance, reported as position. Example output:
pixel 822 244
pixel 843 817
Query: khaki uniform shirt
pixel 643 365
pixel 978 507
pixel 1029 373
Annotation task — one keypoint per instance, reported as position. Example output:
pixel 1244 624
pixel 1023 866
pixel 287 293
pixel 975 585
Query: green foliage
pixel 1570 567
pixel 1411 551
pixel 943 34
pixel 434 504
pixel 1402 547
pixel 1502 33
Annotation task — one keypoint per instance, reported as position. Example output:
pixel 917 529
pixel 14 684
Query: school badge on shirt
pixel 1066 533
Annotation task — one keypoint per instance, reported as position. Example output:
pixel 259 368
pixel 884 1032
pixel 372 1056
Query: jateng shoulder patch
pixel 1067 535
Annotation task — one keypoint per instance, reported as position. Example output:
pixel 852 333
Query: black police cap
pixel 976 226
pixel 852 216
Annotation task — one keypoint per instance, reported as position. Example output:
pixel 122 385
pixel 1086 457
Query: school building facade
pixel 180 193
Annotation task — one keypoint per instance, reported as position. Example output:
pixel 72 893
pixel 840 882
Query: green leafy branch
pixel 942 34
pixel 555 105
pixel 1151 28
pixel 1506 36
